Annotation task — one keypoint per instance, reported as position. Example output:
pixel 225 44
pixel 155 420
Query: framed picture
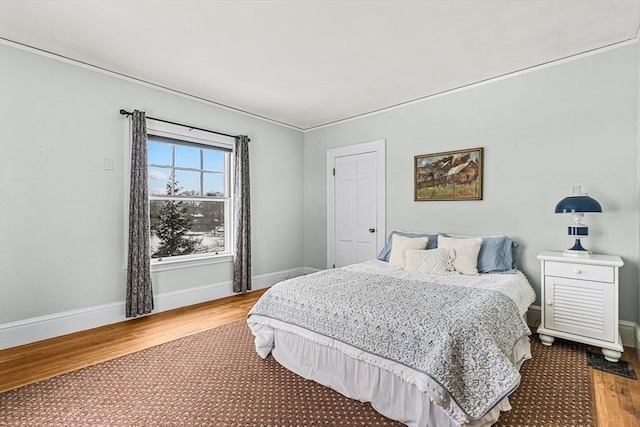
pixel 453 175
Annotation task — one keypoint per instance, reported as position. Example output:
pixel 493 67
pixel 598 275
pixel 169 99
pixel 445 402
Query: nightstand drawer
pixel 596 273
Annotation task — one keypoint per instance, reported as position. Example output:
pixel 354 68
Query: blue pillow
pixel 386 251
pixel 497 254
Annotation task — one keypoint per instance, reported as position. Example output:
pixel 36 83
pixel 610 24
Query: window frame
pixel 213 140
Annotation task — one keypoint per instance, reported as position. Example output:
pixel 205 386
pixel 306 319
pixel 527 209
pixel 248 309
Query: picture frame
pixel 450 175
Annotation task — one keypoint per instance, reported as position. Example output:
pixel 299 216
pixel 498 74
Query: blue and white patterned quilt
pixel 461 337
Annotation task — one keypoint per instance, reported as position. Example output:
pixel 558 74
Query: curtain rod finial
pixel 124 112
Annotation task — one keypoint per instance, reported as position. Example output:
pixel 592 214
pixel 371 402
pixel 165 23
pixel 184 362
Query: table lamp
pixel 577 204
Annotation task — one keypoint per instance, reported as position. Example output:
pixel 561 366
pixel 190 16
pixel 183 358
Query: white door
pixel 355 208
pixel 357 218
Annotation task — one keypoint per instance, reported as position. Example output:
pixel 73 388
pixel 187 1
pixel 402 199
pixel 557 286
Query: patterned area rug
pixel 216 379
pixel 555 389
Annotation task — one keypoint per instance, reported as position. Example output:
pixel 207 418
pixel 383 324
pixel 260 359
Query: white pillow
pixel 432 261
pixel 466 251
pixel 400 243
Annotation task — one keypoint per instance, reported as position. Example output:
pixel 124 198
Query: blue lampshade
pixel 578 203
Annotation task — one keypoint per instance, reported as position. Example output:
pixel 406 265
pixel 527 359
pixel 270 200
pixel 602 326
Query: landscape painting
pixel 452 175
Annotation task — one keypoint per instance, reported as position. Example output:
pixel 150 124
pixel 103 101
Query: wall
pixel 543 131
pixel 637 337
pixel 62 214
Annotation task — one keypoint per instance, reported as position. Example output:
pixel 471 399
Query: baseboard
pixel 533 316
pixel 637 328
pixel 627 332
pixel 627 329
pixel 44 327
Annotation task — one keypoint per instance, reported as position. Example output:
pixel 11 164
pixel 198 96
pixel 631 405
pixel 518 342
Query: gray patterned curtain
pixel 139 290
pixel 242 216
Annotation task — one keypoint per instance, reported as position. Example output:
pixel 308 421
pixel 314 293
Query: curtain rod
pixel 127 113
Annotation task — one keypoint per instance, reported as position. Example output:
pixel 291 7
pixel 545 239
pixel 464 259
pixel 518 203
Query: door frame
pixel 378 147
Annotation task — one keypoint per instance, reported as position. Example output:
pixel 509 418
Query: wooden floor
pixel 617 399
pixel 45 359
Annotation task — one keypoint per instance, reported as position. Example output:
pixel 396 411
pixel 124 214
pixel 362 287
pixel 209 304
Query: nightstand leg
pixel 546 339
pixel 611 355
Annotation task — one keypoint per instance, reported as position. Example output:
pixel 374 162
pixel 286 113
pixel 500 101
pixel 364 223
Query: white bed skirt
pixel 324 361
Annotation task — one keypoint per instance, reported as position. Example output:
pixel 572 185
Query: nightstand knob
pixel 577 270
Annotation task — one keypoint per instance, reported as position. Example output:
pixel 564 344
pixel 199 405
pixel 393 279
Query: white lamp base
pixel 577 254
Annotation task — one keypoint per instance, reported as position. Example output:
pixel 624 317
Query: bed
pixel 424 349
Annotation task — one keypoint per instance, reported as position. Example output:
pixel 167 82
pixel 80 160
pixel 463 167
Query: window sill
pixel 186 263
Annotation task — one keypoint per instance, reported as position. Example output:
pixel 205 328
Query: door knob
pixel 372 230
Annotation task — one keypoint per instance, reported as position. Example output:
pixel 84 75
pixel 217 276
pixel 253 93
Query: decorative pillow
pixel 497 253
pixel 466 251
pixel 432 261
pixel 400 243
pixel 386 251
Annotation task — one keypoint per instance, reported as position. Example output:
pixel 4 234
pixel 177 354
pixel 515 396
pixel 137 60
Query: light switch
pixel 108 164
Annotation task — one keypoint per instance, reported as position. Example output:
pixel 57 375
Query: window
pixel 189 192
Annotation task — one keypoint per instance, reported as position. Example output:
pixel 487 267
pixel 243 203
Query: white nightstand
pixel 580 301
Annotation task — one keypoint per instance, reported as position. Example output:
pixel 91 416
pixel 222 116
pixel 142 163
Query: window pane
pixel 158 153
pixel 159 178
pixel 214 160
pixel 183 228
pixel 187 183
pixel 213 184
pixel 187 157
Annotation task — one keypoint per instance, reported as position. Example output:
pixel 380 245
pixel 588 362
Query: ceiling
pixel 310 63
